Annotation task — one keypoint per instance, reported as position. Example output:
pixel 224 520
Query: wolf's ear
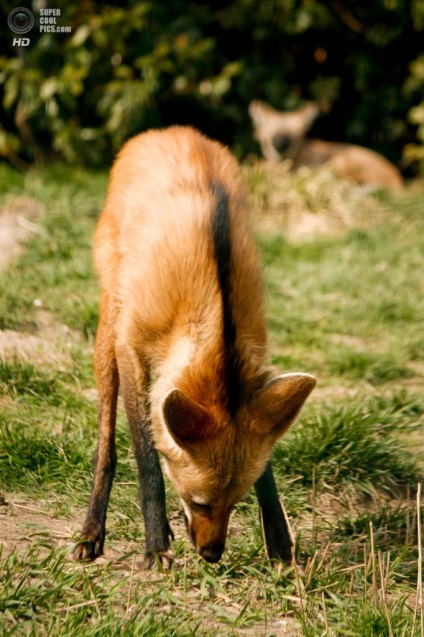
pixel 187 421
pixel 276 405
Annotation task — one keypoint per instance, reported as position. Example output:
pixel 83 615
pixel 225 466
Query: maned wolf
pixel 282 135
pixel 182 332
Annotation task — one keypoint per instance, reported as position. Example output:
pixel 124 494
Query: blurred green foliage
pixel 130 65
pixel 414 151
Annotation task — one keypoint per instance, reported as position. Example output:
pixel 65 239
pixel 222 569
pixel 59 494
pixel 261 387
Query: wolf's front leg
pixel 134 382
pixel 277 536
pixel 153 505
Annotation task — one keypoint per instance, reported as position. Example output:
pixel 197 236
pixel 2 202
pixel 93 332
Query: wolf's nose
pixel 212 553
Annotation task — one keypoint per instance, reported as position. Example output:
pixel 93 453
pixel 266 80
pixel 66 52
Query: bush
pixel 132 65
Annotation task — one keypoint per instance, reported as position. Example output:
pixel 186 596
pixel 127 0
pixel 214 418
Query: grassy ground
pixel 348 308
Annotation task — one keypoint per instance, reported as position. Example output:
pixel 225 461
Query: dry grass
pixel 308 203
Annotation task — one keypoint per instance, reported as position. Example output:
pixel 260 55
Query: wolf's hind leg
pixel 91 543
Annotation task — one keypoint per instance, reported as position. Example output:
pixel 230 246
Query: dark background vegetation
pixel 131 65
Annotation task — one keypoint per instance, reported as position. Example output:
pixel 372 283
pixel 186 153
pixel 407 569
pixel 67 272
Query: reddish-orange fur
pixel 161 328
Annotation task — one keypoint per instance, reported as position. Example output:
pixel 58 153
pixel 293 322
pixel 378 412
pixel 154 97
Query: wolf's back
pixel 158 248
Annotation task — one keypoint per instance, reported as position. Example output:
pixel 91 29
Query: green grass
pixel 352 442
pixel 348 309
pixel 57 268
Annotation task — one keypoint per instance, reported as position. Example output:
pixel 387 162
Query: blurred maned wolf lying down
pixel 282 135
pixel 182 333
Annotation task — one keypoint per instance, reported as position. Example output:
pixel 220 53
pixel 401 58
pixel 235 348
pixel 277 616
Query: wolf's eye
pixel 200 507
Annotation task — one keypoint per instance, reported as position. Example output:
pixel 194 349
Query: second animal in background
pixel 282 135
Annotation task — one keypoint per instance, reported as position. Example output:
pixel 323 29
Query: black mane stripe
pixel 221 232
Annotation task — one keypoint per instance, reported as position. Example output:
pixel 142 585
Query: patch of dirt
pixel 47 341
pixel 355 342
pixel 333 392
pixel 22 522
pixel 35 349
pixel 18 221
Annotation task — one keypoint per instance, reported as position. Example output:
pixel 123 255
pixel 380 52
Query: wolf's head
pixel 213 461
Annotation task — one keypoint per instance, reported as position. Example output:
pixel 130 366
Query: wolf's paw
pixel 280 554
pixel 279 547
pixel 161 559
pixel 88 550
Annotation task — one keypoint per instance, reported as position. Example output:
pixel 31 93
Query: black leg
pixel 134 381
pixel 277 536
pixel 153 503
